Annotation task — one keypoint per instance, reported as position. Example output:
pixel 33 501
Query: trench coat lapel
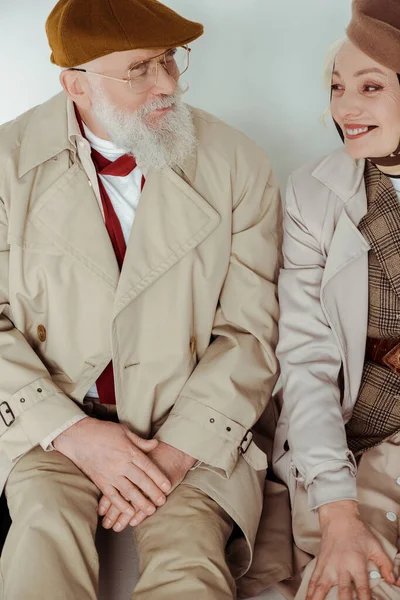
pixel 69 215
pixel 347 245
pixel 172 219
pixel 344 288
pixel 344 284
pixel 345 179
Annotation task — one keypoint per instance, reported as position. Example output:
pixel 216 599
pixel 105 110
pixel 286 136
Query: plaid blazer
pixel 376 415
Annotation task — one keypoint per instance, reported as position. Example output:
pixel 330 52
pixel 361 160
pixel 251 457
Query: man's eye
pixel 139 70
pixel 171 55
pixel 336 87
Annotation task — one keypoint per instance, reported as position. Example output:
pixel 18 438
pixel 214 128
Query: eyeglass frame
pixel 161 58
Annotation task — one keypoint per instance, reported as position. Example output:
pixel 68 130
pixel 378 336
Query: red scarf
pixel 119 168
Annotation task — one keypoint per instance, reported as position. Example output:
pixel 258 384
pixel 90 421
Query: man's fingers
pixel 115 519
pixel 145 484
pixel 122 522
pixel 135 496
pixel 111 517
pixel 137 519
pixel 118 501
pixel 145 464
pixel 103 506
pixel 144 445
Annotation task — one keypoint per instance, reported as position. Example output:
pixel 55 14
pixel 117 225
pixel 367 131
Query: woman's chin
pixel 358 151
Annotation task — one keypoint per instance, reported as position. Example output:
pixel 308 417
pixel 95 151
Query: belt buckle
pixel 392 359
pixel 7 411
pixel 246 441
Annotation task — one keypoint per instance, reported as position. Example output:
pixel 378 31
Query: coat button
pixel 374 575
pixel 193 345
pixel 391 516
pixel 41 331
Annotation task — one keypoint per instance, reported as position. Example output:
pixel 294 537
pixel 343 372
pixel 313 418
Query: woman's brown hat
pixel 80 31
pixel 375 29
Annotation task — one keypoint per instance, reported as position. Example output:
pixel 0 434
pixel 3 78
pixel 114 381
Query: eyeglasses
pixel 143 75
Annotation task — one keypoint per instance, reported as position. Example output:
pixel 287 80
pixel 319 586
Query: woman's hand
pixel 347 545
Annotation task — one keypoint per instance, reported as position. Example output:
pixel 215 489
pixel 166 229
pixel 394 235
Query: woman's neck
pixel 393 171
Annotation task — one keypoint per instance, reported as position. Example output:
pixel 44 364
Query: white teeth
pixel 353 132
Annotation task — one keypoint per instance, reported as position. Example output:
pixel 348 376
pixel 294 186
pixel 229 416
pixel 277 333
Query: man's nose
pixel 166 84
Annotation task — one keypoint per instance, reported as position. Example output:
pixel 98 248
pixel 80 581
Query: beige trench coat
pixel 190 323
pixel 323 292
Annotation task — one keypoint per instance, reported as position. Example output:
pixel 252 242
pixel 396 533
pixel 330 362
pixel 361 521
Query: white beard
pixel 168 143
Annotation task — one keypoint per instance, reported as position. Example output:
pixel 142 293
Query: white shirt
pixel 124 193
pixel 396 184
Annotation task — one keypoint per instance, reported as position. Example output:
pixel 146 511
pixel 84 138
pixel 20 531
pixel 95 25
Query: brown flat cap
pixel 375 29
pixel 81 30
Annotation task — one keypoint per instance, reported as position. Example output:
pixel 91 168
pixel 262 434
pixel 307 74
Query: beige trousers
pixel 50 550
pixel 378 487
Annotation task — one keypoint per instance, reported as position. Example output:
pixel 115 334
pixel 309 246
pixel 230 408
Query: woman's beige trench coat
pixel 190 323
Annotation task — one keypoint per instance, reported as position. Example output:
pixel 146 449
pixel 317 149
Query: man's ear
pixel 77 87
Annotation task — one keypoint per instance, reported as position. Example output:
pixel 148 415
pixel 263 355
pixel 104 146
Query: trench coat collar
pixel 341 174
pixel 46 135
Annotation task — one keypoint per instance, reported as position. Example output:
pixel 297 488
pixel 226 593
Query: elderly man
pixel 134 360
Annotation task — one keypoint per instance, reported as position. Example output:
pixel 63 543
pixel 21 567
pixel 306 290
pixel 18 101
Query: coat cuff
pixel 209 436
pixel 332 486
pixel 33 413
pixel 47 443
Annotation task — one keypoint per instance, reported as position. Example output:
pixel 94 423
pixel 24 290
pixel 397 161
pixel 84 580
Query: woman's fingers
pixel 321 590
pixel 384 564
pixel 345 586
pixel 361 582
pixel 313 583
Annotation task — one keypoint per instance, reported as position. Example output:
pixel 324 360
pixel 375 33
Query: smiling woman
pixel 339 343
pixel 366 104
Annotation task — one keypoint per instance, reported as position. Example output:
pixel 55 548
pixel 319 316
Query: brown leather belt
pixel 384 352
pixel 104 412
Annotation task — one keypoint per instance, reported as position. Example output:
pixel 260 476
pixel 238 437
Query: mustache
pixel 161 102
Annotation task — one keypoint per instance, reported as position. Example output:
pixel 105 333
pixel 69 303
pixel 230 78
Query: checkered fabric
pixel 376 415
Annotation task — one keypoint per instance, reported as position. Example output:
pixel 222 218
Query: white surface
pixel 258 67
